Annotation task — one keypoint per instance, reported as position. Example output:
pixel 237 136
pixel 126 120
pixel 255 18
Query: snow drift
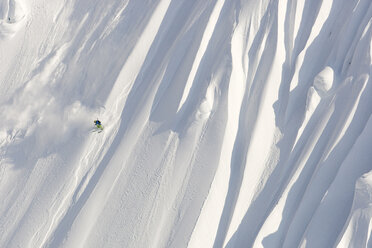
pixel 227 123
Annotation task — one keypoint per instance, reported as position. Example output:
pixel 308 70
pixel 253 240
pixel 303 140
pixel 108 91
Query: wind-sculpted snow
pixel 227 123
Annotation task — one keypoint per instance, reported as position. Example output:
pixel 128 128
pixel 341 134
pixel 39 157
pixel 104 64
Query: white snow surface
pixel 227 123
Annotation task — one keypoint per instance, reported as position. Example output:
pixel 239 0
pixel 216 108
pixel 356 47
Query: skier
pixel 98 124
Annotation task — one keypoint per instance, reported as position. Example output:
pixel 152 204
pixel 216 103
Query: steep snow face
pixel 227 123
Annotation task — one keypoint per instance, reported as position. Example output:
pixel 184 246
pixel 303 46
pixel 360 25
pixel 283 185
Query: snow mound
pixel 324 80
pixel 313 99
pixel 206 105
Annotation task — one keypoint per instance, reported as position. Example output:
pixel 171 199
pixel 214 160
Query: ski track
pixel 227 123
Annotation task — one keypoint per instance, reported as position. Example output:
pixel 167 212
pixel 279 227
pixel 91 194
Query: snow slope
pixel 228 123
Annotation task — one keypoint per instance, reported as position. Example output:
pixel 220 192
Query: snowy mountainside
pixel 226 123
